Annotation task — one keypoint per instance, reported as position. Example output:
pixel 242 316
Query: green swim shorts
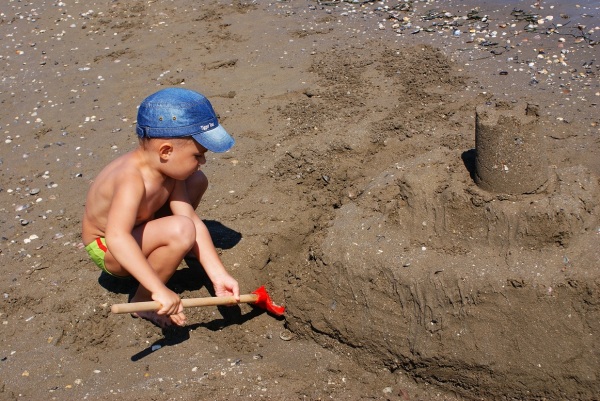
pixel 97 250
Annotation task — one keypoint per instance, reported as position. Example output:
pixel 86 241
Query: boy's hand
pixel 226 285
pixel 171 303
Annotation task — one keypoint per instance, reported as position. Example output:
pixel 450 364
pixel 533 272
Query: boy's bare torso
pixel 129 169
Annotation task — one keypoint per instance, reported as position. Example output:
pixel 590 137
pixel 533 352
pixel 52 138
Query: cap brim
pixel 216 140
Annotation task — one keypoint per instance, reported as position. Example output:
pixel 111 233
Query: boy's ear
pixel 164 150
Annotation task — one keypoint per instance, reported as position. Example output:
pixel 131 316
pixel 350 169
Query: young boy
pixel 140 215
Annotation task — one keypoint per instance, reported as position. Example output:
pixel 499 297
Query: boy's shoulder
pixel 124 169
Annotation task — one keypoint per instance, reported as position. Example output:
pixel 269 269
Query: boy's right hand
pixel 170 302
pixel 171 306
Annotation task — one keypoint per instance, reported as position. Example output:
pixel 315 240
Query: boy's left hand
pixel 226 286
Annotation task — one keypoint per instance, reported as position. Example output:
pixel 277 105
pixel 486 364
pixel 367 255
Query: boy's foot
pixel 161 321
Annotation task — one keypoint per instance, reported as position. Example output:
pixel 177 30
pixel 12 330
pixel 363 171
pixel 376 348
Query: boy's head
pixel 182 113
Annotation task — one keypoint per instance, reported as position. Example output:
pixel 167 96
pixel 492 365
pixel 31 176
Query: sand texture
pixel 418 183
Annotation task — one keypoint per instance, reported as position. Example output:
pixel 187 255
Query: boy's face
pixel 182 157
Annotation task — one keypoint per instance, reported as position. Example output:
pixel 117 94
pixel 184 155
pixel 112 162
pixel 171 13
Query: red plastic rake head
pixel 264 301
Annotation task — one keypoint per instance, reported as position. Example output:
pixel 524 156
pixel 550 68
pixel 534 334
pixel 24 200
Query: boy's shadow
pixel 223 237
pixel 191 279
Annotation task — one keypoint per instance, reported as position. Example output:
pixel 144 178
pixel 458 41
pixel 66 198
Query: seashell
pixel 21 207
pixel 286 335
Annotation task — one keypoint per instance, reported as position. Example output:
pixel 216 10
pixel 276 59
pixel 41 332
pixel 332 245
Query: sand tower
pixel 511 153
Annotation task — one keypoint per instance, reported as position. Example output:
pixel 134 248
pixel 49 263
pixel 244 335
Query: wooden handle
pixel 187 303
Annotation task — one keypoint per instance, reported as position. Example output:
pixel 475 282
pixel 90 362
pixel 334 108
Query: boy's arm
pixel 204 249
pixel 124 248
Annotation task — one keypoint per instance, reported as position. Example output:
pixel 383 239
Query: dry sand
pixel 349 194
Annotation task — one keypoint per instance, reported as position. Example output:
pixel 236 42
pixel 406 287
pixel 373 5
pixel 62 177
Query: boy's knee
pixel 196 184
pixel 201 180
pixel 184 231
pixel 197 180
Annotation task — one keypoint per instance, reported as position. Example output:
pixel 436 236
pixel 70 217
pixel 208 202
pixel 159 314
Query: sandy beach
pixel 413 265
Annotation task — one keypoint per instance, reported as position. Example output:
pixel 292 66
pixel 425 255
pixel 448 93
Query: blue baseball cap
pixel 179 113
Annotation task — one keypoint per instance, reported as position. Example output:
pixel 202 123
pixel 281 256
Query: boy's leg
pixel 164 242
pixel 196 185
